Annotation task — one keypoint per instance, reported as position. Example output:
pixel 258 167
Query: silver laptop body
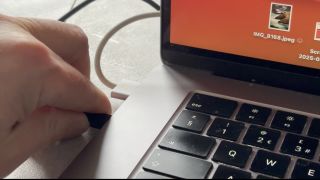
pixel 136 131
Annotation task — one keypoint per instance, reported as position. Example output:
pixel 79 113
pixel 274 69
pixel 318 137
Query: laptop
pixel 237 96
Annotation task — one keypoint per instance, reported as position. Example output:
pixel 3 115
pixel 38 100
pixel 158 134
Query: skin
pixel 45 87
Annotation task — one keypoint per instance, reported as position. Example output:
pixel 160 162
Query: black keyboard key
pixel 224 172
pixel 212 105
pixel 177 165
pixel 225 129
pixel 147 175
pixel 253 114
pixel 262 137
pixel 306 170
pixel 192 121
pixel 187 143
pixel 270 164
pixel 263 177
pixel 314 128
pixel 232 154
pixel 299 146
pixel 289 122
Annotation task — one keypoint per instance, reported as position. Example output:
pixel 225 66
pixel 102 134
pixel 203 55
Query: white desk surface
pixel 131 54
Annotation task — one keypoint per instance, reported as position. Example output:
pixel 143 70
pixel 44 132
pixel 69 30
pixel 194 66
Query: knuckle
pixel 32 52
pixel 78 80
pixel 81 36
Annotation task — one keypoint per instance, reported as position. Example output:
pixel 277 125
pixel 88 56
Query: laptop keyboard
pixel 219 138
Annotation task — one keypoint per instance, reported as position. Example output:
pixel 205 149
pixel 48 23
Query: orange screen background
pixel 228 25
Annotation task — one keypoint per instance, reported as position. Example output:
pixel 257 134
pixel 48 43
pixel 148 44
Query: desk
pixel 131 54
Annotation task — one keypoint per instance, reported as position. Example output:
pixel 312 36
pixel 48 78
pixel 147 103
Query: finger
pixel 71 44
pixel 49 81
pixel 66 88
pixel 41 129
pixel 66 40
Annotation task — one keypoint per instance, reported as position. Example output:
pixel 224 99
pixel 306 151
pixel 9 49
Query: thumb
pixel 41 129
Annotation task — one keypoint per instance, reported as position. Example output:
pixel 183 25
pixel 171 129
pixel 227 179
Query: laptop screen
pixel 284 31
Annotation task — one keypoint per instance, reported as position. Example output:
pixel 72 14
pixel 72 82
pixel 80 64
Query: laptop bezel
pixel 238 67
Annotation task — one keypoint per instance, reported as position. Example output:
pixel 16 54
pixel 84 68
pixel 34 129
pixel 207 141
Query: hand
pixel 44 87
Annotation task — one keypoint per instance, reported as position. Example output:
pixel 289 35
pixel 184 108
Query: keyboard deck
pixel 224 138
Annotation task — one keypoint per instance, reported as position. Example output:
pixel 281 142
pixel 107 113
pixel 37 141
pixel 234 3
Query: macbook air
pixel 237 96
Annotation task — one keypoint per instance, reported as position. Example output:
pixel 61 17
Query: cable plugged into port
pixel 123 90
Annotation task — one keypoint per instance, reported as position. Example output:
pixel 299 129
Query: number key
pixel 225 129
pixel 299 146
pixel 262 137
pixel 192 121
pixel 314 129
pixel 289 122
pixel 253 114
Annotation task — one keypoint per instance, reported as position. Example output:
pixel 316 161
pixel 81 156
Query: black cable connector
pixel 97 121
